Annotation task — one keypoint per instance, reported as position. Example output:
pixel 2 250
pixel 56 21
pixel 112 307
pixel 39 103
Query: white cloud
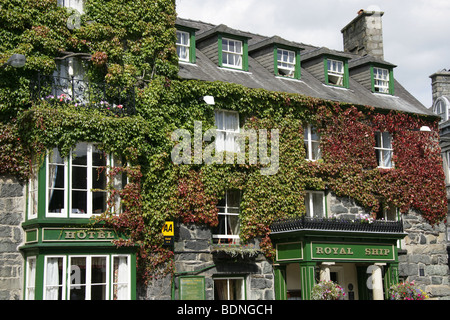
pixel 415 32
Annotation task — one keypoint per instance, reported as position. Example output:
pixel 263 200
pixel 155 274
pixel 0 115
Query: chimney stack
pixel 440 84
pixel 364 34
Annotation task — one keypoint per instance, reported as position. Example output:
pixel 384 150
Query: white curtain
pixel 121 279
pixel 227 124
pixel 31 275
pixel 73 4
pixel 52 279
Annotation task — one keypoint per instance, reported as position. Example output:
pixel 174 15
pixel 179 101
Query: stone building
pixel 440 86
pixel 38 237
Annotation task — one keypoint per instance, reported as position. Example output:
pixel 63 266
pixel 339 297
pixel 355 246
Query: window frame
pixel 191 57
pixel 379 150
pixel 64 273
pixel 30 278
pixel 66 210
pixel 244 52
pixel 309 142
pixel 228 278
pixel 234 238
pixel 68 4
pixel 345 72
pixel 296 70
pixel 88 281
pixel 445 105
pixel 309 207
pixel 389 79
pixel 235 148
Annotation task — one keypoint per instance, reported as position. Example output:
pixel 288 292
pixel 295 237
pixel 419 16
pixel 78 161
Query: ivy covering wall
pixel 132 43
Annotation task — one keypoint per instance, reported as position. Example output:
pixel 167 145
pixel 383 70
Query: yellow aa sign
pixel 167 229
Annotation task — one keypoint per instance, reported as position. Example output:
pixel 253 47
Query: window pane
pixel 120 278
pixel 315 149
pixel 79 202
pixel 98 270
pixel 318 204
pixel 386 140
pixel 99 178
pixel 78 278
pixel 308 204
pixel 80 154
pixel 79 177
pixel 229 289
pixel 54 279
pixel 31 278
pixel 98 157
pixel 55 157
pixel 56 176
pixel 98 202
pixel 55 201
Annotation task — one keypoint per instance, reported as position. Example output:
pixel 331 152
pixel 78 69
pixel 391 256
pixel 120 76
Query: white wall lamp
pixel 209 100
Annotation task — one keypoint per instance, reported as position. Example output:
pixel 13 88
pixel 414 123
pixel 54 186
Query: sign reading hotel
pixel 353 251
pixel 70 234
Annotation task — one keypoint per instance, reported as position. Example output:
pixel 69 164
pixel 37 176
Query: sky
pixel 416 33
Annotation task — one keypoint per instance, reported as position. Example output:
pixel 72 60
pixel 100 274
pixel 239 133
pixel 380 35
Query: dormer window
pixel 185 44
pixel 286 63
pixel 380 80
pixel 232 53
pixel 335 73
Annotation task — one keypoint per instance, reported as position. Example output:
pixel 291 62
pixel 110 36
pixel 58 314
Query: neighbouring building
pixel 440 85
pixel 47 252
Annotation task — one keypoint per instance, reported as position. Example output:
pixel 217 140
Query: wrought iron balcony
pixel 336 224
pixel 82 93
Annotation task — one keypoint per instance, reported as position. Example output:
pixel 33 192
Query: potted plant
pixel 406 291
pixel 327 290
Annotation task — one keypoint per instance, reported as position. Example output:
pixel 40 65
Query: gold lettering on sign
pixel 70 235
pixel 83 235
pixel 334 251
pixel 377 252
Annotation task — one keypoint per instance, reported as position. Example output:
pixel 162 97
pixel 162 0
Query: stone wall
pixel 425 258
pixel 12 208
pixel 440 84
pixel 194 256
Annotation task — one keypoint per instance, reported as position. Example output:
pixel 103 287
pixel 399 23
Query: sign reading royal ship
pixel 353 251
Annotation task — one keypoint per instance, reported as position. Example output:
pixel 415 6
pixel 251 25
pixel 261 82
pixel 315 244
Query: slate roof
pixel 260 77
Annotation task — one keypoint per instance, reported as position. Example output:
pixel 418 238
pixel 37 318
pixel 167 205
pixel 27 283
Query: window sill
pixel 187 63
pixel 234 70
pixel 289 79
pixel 336 87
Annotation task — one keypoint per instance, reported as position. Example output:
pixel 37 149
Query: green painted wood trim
pixel 307 275
pixel 192 52
pixel 297 72
pixel 244 51
pixel 346 79
pixel 192 46
pixel 219 48
pixel 280 282
pixel 391 77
